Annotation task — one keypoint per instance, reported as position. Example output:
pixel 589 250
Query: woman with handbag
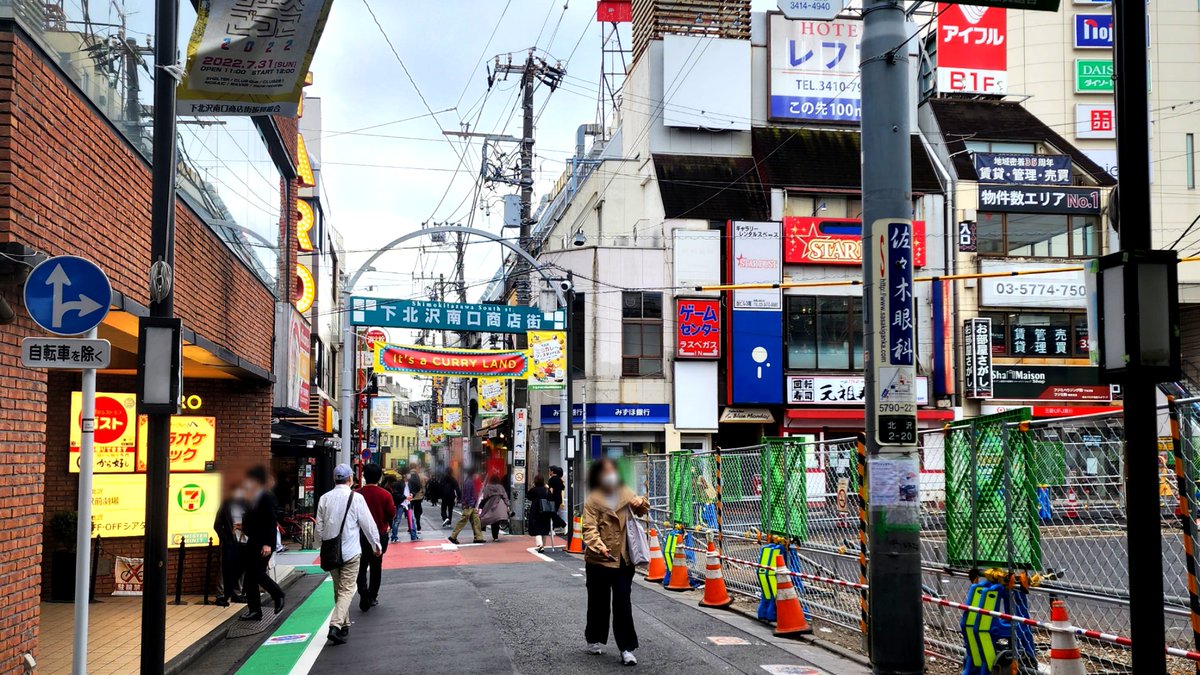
pixel 609 558
pixel 541 511
pixel 494 505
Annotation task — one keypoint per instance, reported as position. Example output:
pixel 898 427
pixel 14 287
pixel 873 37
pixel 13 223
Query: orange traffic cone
pixel 1071 504
pixel 1065 658
pixel 715 593
pixel 658 566
pixel 679 568
pixel 790 620
pixel 576 545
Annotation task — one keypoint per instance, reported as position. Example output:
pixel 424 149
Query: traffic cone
pixel 1071 504
pixel 1065 658
pixel 576 545
pixel 715 593
pixel 679 568
pixel 658 567
pixel 789 615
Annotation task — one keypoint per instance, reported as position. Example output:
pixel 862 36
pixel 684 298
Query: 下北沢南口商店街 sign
pixel 433 315
pixel 390 358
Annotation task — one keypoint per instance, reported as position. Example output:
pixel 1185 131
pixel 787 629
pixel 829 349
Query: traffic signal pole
pixel 895 625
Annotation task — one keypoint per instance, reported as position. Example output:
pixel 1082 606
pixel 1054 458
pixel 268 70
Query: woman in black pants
pixel 606 513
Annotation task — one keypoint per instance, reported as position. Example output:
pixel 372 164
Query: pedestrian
pixel 396 488
pixel 558 489
pixel 406 511
pixel 433 489
pixel 228 526
pixel 416 488
pixel 495 506
pixel 538 521
pixel 606 513
pixel 450 494
pixel 383 512
pixel 468 501
pixel 342 515
pixel 261 528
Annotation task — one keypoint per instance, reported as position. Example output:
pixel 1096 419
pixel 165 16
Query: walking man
pixel 228 526
pixel 468 501
pixel 450 494
pixel 261 532
pixel 343 513
pixel 383 511
pixel 416 490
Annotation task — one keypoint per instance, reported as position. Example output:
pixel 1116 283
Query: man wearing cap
pixel 342 505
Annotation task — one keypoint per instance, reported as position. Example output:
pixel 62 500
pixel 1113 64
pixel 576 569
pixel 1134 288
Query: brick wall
pixel 69 183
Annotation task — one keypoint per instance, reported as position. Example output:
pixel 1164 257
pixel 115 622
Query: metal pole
pixel 162 304
pixel 896 625
pixel 564 412
pixel 349 356
pixel 1132 78
pixel 83 526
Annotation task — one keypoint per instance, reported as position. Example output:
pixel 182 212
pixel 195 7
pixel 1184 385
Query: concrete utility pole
pixel 1132 78
pixel 896 626
pixel 162 305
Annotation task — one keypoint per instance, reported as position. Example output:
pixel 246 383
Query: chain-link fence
pixel 999 492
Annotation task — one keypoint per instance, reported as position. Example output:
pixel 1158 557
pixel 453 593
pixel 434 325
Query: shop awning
pixel 857 414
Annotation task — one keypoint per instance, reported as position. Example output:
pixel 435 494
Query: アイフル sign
pixel 698 328
pixel 972 53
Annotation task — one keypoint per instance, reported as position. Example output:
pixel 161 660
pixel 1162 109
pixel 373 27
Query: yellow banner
pixel 437 434
pixel 493 397
pixel 119 506
pixel 452 421
pixel 548 356
pixel 193 443
pixel 115 443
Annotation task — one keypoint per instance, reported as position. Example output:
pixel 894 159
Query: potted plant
pixel 61 531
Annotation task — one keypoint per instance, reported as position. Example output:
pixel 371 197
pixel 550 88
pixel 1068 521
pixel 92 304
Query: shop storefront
pixel 612 429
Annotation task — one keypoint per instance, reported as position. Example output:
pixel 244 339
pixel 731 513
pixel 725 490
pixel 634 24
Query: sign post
pixel 67 295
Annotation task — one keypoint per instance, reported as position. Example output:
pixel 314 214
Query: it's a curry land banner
pixel 119 506
pixel 435 315
pixel 452 421
pixel 493 397
pixel 548 350
pixel 390 358
pixel 250 57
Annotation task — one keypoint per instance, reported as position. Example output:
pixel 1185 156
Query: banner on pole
pixel 452 421
pixel 493 397
pixel 549 353
pixel 250 57
pixel 390 358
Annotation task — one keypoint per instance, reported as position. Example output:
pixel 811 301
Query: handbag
pixel 635 540
pixel 546 506
pixel 331 549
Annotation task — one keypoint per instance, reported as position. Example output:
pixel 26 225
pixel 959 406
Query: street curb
pixel 192 654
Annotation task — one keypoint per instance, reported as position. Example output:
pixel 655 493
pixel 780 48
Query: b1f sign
pixel 1093 31
pixel 972 49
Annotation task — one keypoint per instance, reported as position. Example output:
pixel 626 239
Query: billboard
pixel 1093 76
pixel 814 70
pixel 293 358
pixel 114 440
pixel 493 397
pixel 838 390
pixel 756 357
pixel 1021 169
pixel 1093 31
pixel 452 421
pixel 754 258
pixel 1095 120
pixel 193 443
pixel 1048 383
pixel 835 241
pixel 697 258
pixel 548 355
pixel 119 506
pixel 972 53
pixel 381 412
pixel 698 328
pixel 977 359
pixel 248 57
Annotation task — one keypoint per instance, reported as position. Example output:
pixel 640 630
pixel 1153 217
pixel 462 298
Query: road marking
pixel 534 551
pixel 576 574
pixel 727 640
pixel 288 639
pixel 793 670
pixel 286 655
pixel 308 659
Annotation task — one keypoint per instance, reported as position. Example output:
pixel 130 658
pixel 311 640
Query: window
pixel 1189 151
pixel 1001 146
pixel 825 333
pixel 1037 235
pixel 578 353
pixel 641 334
pixel 1041 335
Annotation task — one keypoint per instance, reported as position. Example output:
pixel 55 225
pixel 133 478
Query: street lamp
pixel 1139 316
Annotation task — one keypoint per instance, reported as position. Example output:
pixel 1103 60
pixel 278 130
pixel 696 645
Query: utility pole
pixel 896 627
pixel 1132 78
pixel 162 306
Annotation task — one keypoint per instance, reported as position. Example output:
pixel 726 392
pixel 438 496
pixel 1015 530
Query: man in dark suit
pixel 260 529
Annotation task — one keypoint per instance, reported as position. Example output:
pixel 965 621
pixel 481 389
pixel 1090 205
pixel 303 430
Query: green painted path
pixel 295 655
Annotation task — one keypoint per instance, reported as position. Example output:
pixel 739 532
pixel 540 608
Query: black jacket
pixel 557 487
pixel 224 523
pixel 259 522
pixel 538 522
pixel 450 491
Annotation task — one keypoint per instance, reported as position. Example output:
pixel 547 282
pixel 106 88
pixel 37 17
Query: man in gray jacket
pixel 343 511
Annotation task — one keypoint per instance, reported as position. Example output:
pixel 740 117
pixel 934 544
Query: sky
pixel 397 170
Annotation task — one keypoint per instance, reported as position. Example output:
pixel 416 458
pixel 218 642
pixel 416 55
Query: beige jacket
pixel 605 527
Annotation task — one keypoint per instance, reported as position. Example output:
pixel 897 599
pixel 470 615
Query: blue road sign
pixel 67 295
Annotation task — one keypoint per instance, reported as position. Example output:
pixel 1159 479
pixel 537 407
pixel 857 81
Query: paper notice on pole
pixel 895 485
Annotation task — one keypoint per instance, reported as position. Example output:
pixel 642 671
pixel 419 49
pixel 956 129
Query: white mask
pixel 610 480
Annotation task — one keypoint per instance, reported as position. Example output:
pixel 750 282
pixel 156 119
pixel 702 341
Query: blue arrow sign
pixel 67 295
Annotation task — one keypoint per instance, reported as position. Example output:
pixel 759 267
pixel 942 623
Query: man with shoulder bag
pixel 342 515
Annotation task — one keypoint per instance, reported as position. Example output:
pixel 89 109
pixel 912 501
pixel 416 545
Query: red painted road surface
pixel 431 553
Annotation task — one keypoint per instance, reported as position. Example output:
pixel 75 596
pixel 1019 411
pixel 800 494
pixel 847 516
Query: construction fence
pixel 1002 497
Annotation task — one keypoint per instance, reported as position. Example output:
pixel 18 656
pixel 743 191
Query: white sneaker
pixel 595 648
pixel 628 659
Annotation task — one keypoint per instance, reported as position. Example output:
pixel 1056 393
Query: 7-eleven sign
pixel 190 497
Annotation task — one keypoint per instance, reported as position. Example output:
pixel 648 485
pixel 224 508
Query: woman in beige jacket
pixel 606 513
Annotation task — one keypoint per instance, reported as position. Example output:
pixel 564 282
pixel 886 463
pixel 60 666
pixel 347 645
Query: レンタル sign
pixel 390 358
pixel 433 315
pixel 755 259
pixel 1020 169
pixel 835 241
pixel 1013 199
pixel 698 328
pixel 972 52
pixel 250 57
pixel 119 506
pixel 814 70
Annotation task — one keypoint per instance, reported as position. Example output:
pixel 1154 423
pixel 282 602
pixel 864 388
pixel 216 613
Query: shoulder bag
pixel 331 549
pixel 635 540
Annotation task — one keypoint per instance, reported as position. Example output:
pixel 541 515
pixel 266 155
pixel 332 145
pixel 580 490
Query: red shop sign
pixel 698 328
pixel 835 241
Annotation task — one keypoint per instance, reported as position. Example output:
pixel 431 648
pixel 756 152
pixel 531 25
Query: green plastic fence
pixel 785 488
pixel 992 473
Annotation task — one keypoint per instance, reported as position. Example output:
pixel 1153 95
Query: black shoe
pixel 279 605
pixel 335 635
pixel 374 601
pixel 221 602
pixel 240 599
pixel 477 541
pixel 453 540
pixel 251 616
pixel 364 603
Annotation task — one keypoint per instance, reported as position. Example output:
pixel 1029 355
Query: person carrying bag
pixel 341 547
